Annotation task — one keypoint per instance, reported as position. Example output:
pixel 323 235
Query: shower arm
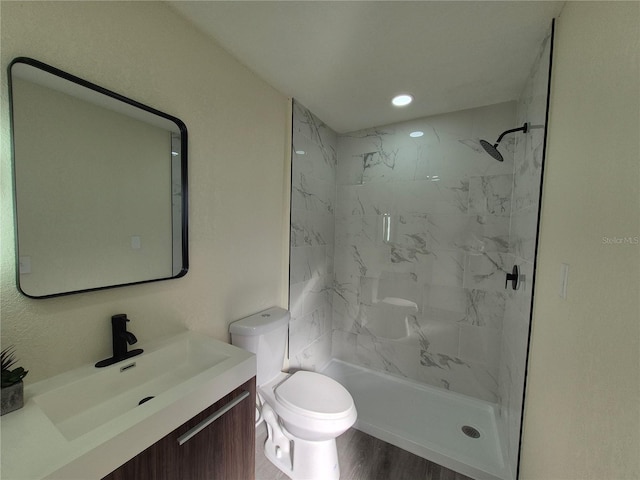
pixel 523 129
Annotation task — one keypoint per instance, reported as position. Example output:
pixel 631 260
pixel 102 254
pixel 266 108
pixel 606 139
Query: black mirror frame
pixel 97 88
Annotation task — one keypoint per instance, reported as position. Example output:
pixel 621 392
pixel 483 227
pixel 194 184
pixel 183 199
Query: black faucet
pixel 121 338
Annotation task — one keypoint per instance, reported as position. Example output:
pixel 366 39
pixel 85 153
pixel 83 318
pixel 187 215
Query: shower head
pixel 493 149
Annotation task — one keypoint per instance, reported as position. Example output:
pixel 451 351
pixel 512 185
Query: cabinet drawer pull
pixel 212 418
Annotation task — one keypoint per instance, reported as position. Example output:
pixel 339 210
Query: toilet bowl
pixel 310 405
pixel 304 411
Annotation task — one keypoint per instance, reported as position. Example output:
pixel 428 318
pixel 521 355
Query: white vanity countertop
pixel 34 448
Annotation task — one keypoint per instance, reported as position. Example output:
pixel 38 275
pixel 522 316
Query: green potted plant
pixel 12 387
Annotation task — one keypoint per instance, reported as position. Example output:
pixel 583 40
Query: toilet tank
pixel 265 334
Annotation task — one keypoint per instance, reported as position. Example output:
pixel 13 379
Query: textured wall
pixel 582 418
pixel 237 158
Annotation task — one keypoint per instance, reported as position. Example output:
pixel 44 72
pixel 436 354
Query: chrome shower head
pixel 493 149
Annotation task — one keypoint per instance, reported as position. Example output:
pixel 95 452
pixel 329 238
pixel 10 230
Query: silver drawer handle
pixel 212 418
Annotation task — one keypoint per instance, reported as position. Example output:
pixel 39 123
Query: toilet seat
pixel 314 395
pixel 313 407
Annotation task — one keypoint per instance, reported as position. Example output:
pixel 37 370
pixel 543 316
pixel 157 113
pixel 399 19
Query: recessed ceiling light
pixel 402 100
pixel 416 134
pixel 300 152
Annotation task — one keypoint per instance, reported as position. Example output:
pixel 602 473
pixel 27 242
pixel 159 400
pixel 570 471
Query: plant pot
pixel 12 398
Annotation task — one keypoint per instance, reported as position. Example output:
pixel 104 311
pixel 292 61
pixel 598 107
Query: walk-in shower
pixel 400 249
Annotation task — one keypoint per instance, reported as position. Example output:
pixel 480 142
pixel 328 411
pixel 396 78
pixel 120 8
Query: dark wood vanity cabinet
pixel 224 450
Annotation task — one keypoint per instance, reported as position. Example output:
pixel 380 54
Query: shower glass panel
pixel 421 241
pixel 400 247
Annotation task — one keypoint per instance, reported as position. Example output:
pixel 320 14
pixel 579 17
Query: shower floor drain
pixel 470 432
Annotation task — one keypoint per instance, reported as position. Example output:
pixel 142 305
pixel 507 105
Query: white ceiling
pixel 344 60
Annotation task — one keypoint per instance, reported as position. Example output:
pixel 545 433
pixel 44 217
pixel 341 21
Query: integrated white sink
pixel 87 422
pixel 102 394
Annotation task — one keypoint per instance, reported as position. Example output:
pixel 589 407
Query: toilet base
pixel 297 458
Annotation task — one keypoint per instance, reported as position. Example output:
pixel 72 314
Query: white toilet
pixel 304 411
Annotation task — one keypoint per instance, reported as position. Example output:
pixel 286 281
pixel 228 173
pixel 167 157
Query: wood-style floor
pixel 363 457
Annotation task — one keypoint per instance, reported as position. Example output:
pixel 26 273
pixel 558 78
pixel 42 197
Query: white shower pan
pixel 426 421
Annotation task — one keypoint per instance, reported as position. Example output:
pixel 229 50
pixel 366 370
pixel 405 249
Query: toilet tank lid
pixel 260 322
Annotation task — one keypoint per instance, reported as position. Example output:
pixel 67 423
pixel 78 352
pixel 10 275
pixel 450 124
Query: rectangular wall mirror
pixel 100 185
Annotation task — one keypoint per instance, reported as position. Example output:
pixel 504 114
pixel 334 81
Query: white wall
pixel 582 417
pixel 238 135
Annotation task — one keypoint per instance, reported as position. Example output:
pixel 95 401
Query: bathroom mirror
pixel 100 185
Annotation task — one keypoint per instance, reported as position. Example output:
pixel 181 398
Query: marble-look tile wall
pixel 528 160
pixel 313 196
pixel 421 248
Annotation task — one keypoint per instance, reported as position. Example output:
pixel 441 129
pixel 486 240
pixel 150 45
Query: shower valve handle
pixel 512 277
